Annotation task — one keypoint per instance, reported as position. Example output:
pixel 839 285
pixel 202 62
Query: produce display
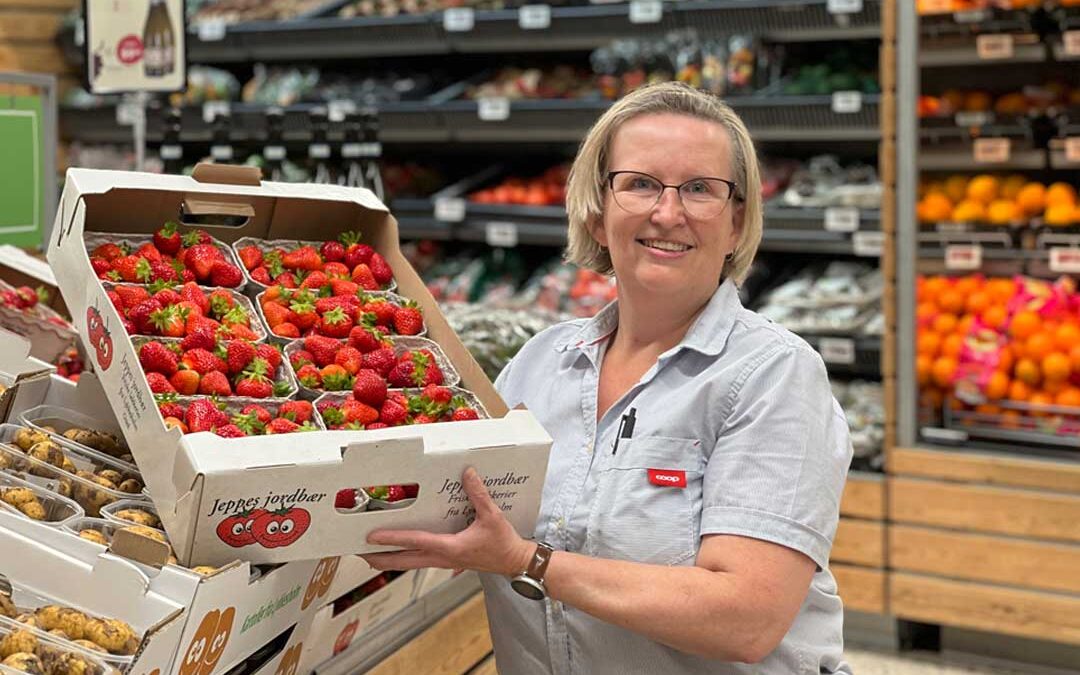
pixel 31 303
pixel 841 298
pixel 73 429
pixel 203 364
pixel 24 649
pixel 1031 100
pixel 316 265
pixel 824 181
pixel 34 502
pixel 305 312
pixel 988 199
pixel 373 407
pixel 234 419
pixel 926 7
pixel 236 11
pixel 165 257
pixel 70 364
pixel 26 629
pixel 184 311
pixel 548 189
pixel 864 408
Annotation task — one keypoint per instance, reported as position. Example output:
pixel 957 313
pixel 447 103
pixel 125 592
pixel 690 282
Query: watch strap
pixel 538 564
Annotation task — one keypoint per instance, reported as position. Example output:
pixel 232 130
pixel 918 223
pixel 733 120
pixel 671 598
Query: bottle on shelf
pixel 159 58
pixel 172 151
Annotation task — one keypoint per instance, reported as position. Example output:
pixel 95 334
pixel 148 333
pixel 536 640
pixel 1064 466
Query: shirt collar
pixel 707 335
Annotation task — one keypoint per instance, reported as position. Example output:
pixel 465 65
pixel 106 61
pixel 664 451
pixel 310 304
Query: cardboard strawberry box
pixel 204 485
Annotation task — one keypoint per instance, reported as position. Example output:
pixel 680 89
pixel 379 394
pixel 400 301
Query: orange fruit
pixel 952 345
pixel 994 316
pixel 968 285
pixel 969 211
pixel 1024 324
pixel 1074 357
pixel 1069 396
pixel 1060 215
pixel 944 323
pixel 1002 212
pixel 964 327
pixel 988 409
pixel 997 386
pixel 1006 361
pixel 1054 387
pixel 1056 367
pixel 1041 398
pixel 1060 194
pixel 1010 419
pixel 943 370
pixel 1031 199
pixel 953 99
pixel 934 207
pixel 928 343
pixel 1011 186
pixel 922 369
pixel 1066 336
pixel 955 188
pixel 1018 391
pixel 925 313
pixel 977 101
pixel 951 301
pixel 983 189
pixel 935 286
pixel 977 303
pixel 1001 290
pixel 1038 346
pixel 1027 371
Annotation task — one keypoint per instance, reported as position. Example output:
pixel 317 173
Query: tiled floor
pixel 868 662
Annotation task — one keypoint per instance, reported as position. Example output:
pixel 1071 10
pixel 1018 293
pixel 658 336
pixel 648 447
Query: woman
pixel 694 481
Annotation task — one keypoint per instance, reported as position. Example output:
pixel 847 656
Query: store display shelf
pixel 858 356
pixel 961 158
pixel 806 230
pixel 397 630
pixel 571 28
pixel 963 52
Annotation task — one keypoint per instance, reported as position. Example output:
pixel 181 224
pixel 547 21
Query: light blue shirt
pixel 742 410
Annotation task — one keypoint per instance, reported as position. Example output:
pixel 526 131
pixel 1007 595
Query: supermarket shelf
pixel 799 230
pixel 572 28
pixel 770 118
pixel 866 361
pixel 962 52
pixel 960 158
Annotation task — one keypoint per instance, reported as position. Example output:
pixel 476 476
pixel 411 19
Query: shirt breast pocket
pixel 648 502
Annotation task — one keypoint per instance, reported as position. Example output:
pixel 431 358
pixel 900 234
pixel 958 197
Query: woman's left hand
pixel 489 544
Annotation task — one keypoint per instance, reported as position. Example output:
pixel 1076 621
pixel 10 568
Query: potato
pixel 27 620
pixel 7 607
pixel 25 662
pixel 68 663
pixel 95 536
pixel 111 475
pixel 204 570
pixel 18 641
pixel 92 646
pixel 17 495
pixel 131 486
pixel 138 516
pixel 27 438
pixel 51 454
pixel 33 510
pixel 114 635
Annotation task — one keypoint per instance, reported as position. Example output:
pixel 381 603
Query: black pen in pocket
pixel 626 428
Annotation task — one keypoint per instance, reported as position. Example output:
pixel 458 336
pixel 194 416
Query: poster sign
pixel 135 45
pixel 21 173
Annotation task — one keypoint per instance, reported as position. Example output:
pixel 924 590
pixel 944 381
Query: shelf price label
pixel 274 153
pixel 221 153
pixel 868 244
pixel 319 151
pixel 450 209
pixel 844 6
pixel 963 257
pixel 1070 42
pixel 493 109
pixel 973 118
pixel 459 19
pixel 355 150
pixel 503 235
pixel 1065 260
pixel 534 17
pixel 846 102
pixel 1072 149
pixel 994 46
pixel 991 150
pixel 212 30
pixel 336 111
pixel 129 113
pixel 841 219
pixel 171 151
pixel 971 16
pixel 646 11
pixel 212 109
pixel 837 350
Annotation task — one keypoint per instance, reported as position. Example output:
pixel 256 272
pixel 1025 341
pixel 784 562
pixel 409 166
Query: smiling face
pixel 666 250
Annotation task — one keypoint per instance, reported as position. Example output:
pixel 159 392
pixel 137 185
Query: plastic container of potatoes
pixel 39 652
pixel 75 428
pixel 35 502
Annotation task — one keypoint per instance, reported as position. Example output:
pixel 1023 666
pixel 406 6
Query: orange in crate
pixel 1038 346
pixel 944 370
pixel 1024 324
pixel 952 345
pixel 1056 367
pixel 928 343
pixel 1041 398
pixel 983 189
pixel 1067 336
pixel 945 323
pixel 1032 199
pixel 923 364
pixel 994 316
pixel 997 387
pixel 1018 391
pixel 951 301
pixel 1027 371
pixel 1069 396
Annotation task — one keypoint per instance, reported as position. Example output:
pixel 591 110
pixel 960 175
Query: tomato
pixel 235 530
pixel 273 529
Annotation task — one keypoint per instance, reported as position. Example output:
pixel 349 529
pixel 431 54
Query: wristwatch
pixel 530 583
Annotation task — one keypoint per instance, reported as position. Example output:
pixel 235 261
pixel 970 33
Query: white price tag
pixel 994 46
pixel 171 152
pixel 952 228
pixel 964 257
pixel 868 244
pixel 128 114
pixel 212 109
pixel 459 20
pixel 450 209
pixel 1072 149
pixel 274 153
pixel 222 153
pixel 534 17
pixel 646 11
pixel 211 30
pixel 846 102
pixel 337 110
pixel 1065 260
pixel 319 150
pixel 841 219
pixel 844 6
pixel 504 235
pixel 991 150
pixel 1070 41
pixel 493 109
pixel 973 119
pixel 837 350
pixel 971 16
pixel 354 150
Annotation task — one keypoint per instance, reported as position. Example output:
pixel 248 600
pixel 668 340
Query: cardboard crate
pixel 47 340
pixel 16 367
pixel 201 483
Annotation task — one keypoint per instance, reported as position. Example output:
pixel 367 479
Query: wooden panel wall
pixel 28 37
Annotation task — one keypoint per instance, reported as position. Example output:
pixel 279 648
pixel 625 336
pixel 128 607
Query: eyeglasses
pixel 638 193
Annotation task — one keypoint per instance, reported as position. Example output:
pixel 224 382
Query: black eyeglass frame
pixel 734 187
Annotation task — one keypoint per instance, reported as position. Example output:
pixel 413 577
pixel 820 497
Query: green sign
pixel 22 204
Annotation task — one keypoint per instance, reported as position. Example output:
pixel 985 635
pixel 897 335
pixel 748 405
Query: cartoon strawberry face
pixel 274 529
pixel 235 530
pixel 100 338
pixel 346 637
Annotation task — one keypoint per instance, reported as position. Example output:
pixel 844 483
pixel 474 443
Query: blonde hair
pixel 588 176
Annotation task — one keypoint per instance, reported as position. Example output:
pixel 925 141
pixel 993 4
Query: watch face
pixel 530 588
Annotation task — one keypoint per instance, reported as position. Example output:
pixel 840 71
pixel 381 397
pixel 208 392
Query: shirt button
pixel 560 523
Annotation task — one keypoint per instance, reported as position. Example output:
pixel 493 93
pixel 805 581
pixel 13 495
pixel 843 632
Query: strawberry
pixel 109 251
pixel 250 256
pixel 380 269
pixel 253 382
pixel 190 292
pixel 155 357
pixel 343 287
pixel 377 425
pixel 170 408
pixel 167 296
pixel 301 358
pixel 261 413
pixel 132 295
pixel 357 412
pixel 101 266
pixel 362 276
pixel 203 361
pixel 304 258
pixel 125 267
pixel 437 394
pixel 315 280
pixel 239 332
pixel 412 490
pixel 309 376
pixel 332 251
pixel 322 349
pixel 196 237
pixel 237 316
pixel 297 411
pixel 335 378
pixel 148 252
pixel 201 258
pixel 349 358
pixel 276 314
pixel 262 276
pixel 408 320
pixel 239 355
pixel 345 499
pixel 304 315
pixel 270 354
pixel 394 493
pixel 202 337
pixel 404 374
pixel 197 322
pixel 167 239
pixel 230 431
pixel 393 414
pixel 117 301
pixel 129 327
pixel 186 382
pixel 338 271
pixel 367 339
pixel 215 383
pixel 250 423
pixel 381 360
pixel 355 252
pixel 424 418
pixel 169 322
pixel 163 272
pixel 159 384
pixel 221 301
pixel 286 279
pixel 335 323
pixel 383 310
pixel 187 276
pixel 369 387
pixel 286 330
pixel 226 275
pixel 282 426
pixel 203 415
pixel 346 303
